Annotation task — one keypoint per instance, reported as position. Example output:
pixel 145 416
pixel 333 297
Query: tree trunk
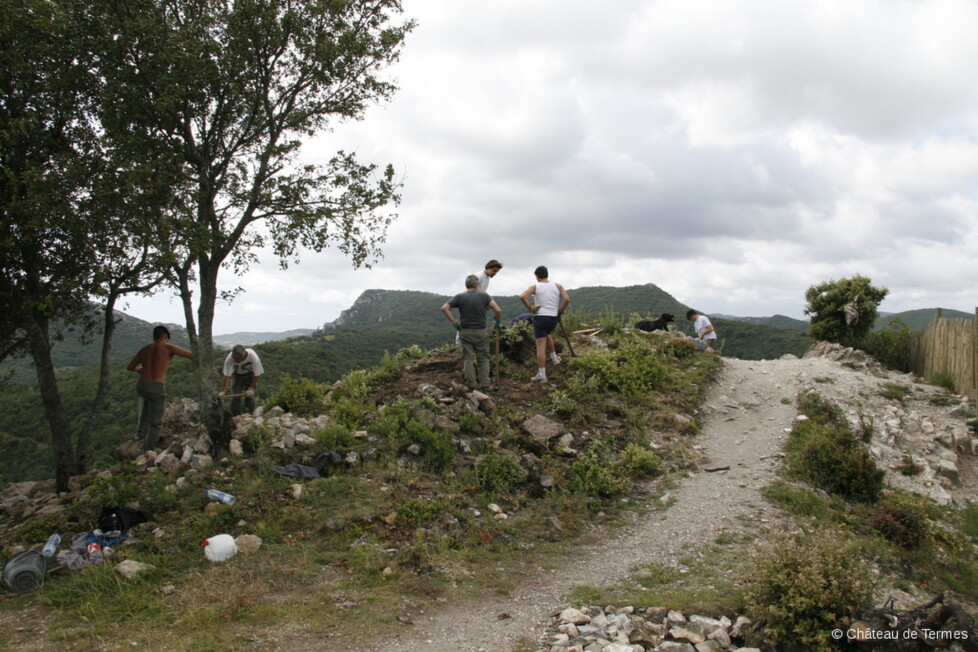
pixel 102 391
pixel 37 329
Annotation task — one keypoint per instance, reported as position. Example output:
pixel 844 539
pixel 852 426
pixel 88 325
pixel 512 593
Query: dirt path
pixel 744 423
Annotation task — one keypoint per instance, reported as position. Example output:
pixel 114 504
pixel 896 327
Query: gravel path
pixel 744 423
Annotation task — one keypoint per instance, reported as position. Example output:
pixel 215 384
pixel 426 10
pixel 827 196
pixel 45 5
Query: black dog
pixel 660 324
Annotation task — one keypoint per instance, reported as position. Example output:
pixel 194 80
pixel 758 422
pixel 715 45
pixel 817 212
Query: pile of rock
pixel 625 629
pixel 924 443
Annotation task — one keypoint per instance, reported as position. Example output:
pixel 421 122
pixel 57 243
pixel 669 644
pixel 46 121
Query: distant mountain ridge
pixel 781 321
pixel 418 314
pixel 413 311
pixel 248 338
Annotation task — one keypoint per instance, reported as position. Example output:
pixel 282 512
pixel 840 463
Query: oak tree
pixel 226 93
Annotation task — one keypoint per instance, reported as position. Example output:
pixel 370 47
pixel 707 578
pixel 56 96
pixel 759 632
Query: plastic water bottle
pixel 52 545
pixel 220 496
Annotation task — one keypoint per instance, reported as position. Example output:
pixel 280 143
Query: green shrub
pixel 499 474
pixel 348 411
pixel 611 322
pixel 804 588
pixel 828 456
pixel 677 347
pixel 908 466
pixel 597 472
pixel 416 513
pixel 256 439
pixel 901 521
pixel 437 447
pixel 334 437
pixel 37 529
pixel 942 379
pixel 799 501
pixel 563 405
pixel 820 411
pixel 891 345
pixel 633 369
pixel 300 396
pixel 895 392
pixel 969 521
pixel 111 490
pixel 391 419
pixel 640 461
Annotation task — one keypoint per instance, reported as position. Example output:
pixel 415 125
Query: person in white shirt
pixel 242 369
pixel 705 332
pixel 550 301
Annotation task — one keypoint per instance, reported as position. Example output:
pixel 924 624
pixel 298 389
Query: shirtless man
pixel 152 363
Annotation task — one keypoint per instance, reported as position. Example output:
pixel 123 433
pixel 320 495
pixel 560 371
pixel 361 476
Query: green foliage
pixel 437 447
pixel 611 322
pixel 499 474
pixel 640 461
pixel 908 466
pixel 816 408
pixel 597 472
pixel 825 452
pixel 634 368
pixel 300 396
pixel 804 588
pixel 563 404
pixel 415 513
pixel 961 576
pixel 942 379
pixel 256 439
pixel 112 489
pixel 348 411
pixel 832 459
pixel 334 437
pixel 37 529
pixel 891 345
pixel 826 303
pixel 102 597
pixel 677 347
pixel 799 501
pixel 391 419
pixel 895 391
pixel 900 520
pixel 968 518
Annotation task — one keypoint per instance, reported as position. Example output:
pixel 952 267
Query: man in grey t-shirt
pixel 471 325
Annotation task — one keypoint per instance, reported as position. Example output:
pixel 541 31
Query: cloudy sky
pixel 732 152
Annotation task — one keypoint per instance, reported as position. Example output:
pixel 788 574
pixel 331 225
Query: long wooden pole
pixel 974 354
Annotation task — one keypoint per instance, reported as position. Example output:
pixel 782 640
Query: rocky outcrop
pixel 625 629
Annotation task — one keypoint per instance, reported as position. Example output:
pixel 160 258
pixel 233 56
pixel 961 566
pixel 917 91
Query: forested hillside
pixel 379 321
pixel 419 313
pixel 24 438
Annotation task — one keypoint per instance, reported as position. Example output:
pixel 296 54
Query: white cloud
pixel 733 152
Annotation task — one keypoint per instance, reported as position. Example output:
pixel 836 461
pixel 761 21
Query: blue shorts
pixel 544 325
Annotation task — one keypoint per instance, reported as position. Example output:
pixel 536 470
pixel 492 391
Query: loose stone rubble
pixel 625 629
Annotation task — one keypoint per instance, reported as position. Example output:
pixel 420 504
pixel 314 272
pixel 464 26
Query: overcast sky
pixel 732 152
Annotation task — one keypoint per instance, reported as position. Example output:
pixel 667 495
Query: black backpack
pixel 120 518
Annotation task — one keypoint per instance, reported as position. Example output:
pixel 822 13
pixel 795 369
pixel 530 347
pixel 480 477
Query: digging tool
pixel 235 395
pixel 564 331
pixel 497 354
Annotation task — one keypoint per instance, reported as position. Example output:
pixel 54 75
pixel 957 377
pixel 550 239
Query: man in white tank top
pixel 550 301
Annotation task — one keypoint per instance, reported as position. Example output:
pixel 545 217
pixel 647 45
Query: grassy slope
pixel 412 513
pixel 399 534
